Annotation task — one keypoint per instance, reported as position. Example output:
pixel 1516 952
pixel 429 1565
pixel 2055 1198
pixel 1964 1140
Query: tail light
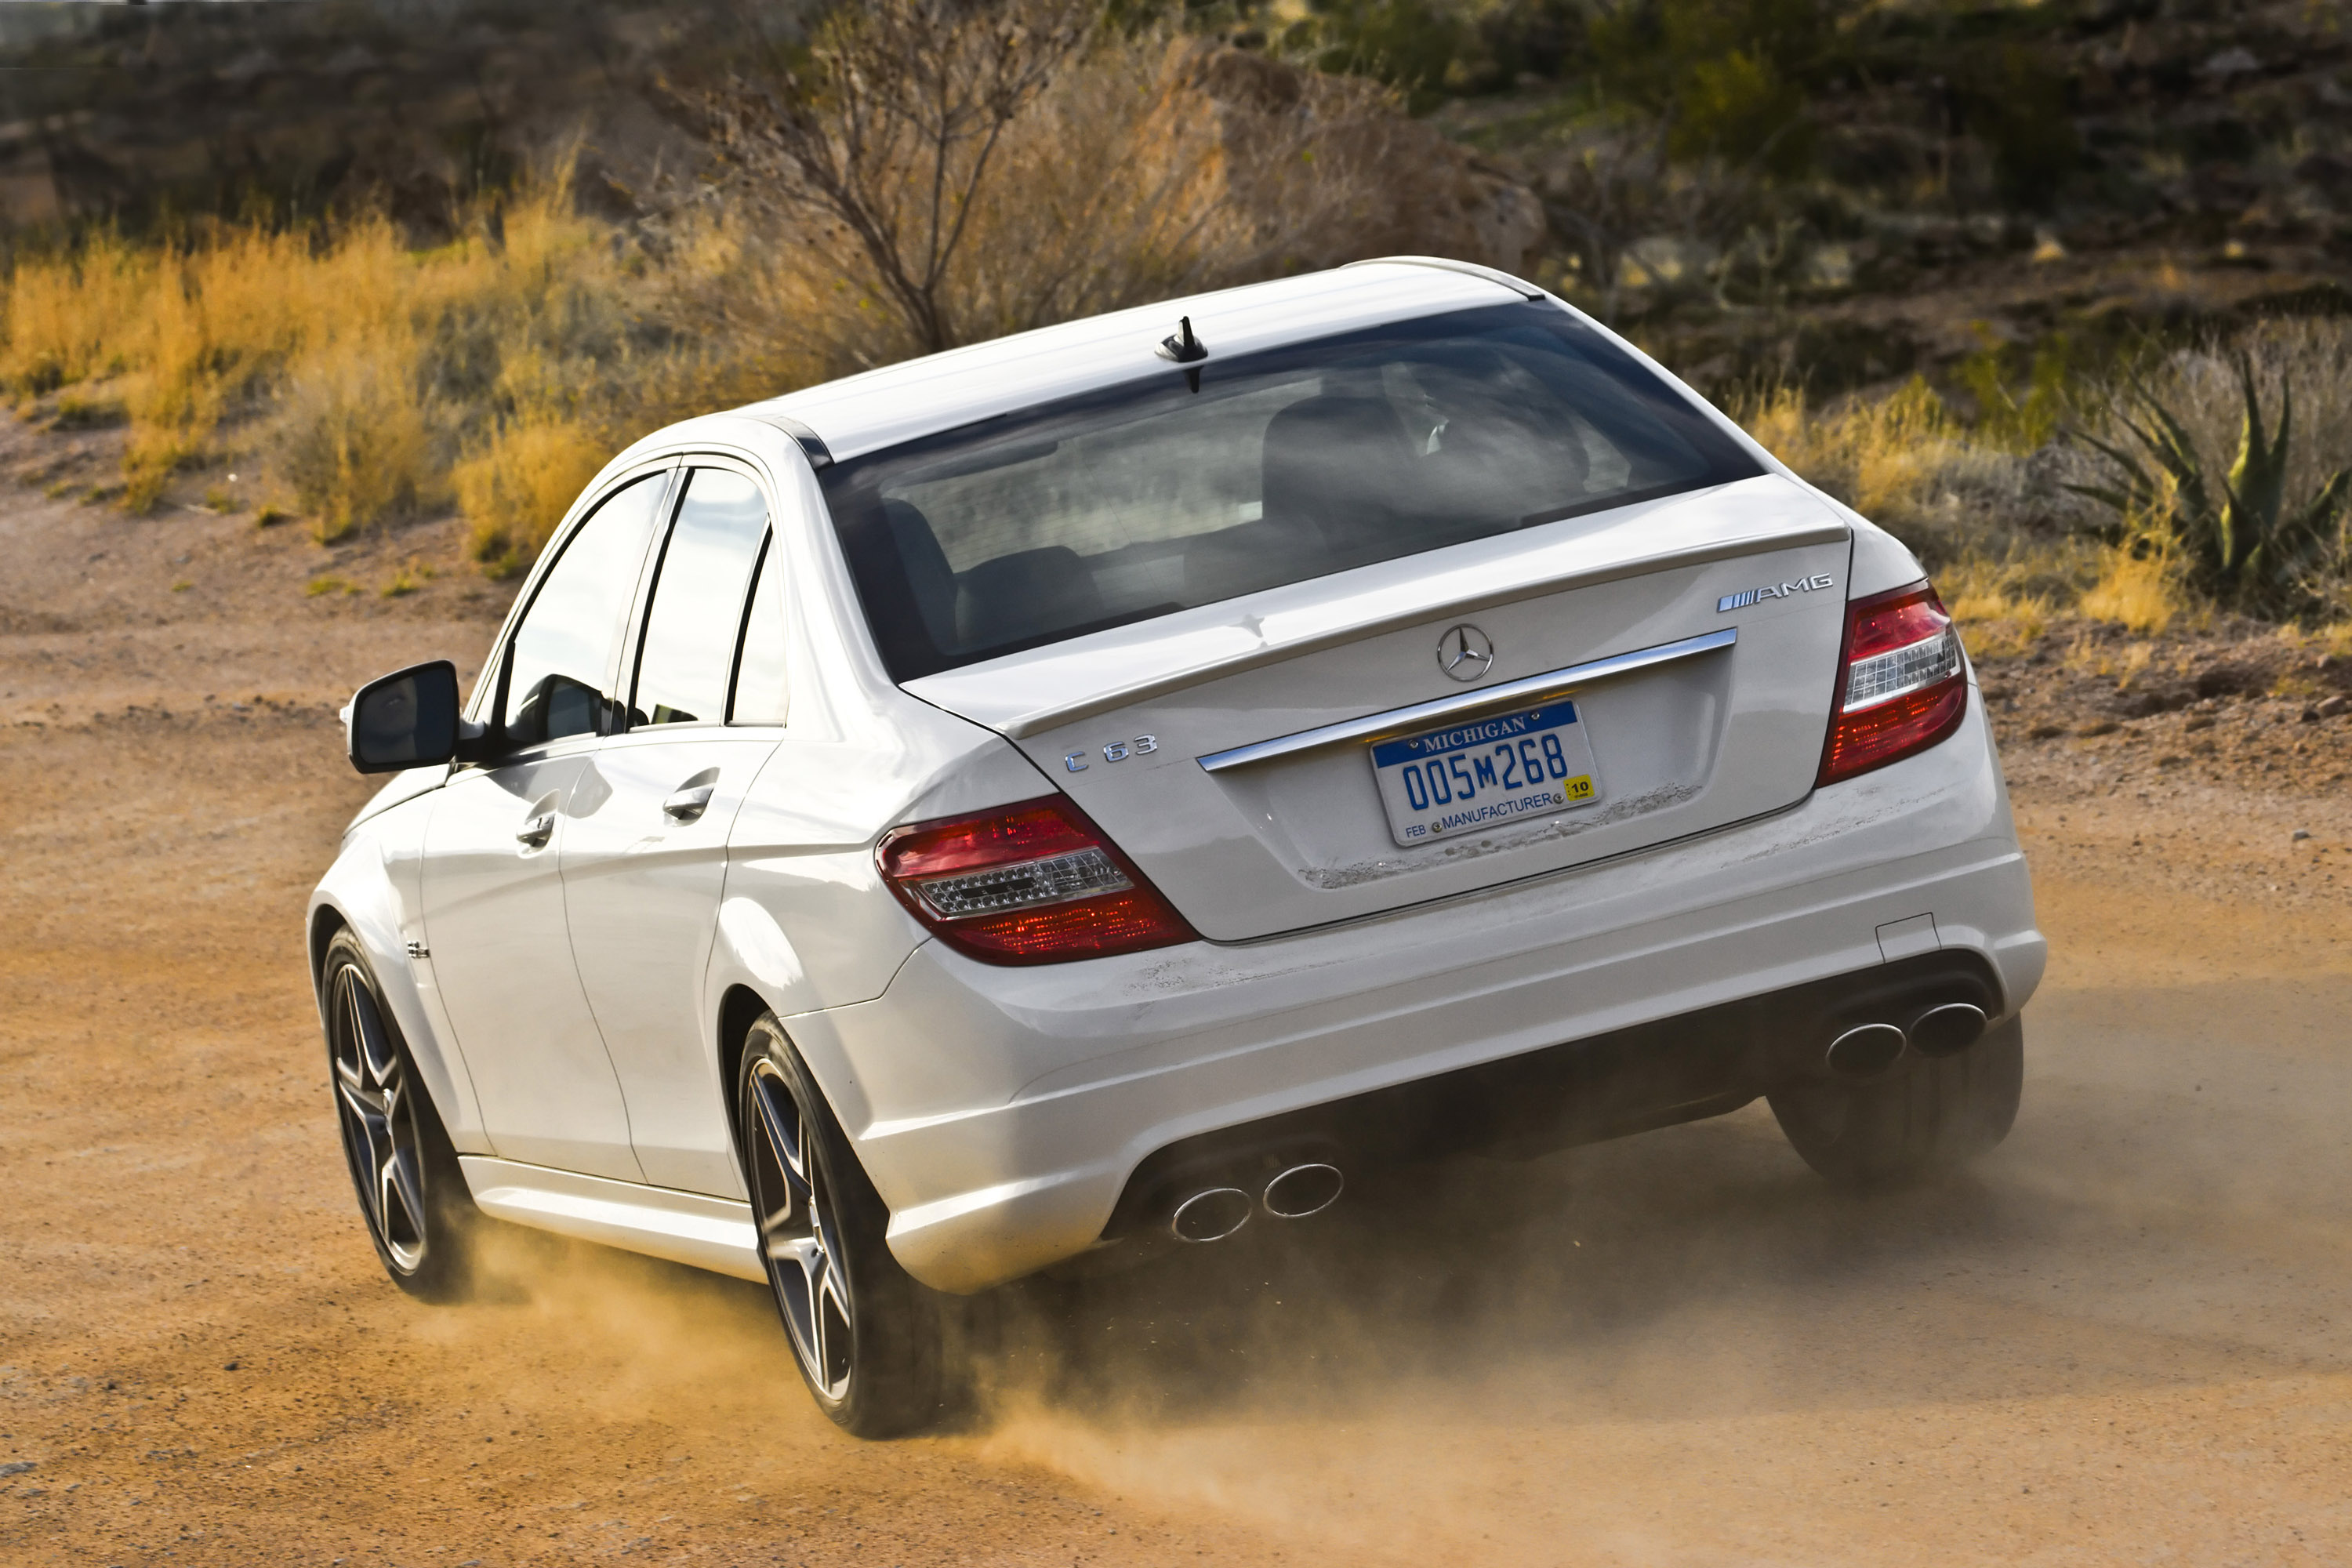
pixel 1033 883
pixel 1902 684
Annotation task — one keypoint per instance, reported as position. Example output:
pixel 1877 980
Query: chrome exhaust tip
pixel 1302 1189
pixel 1948 1030
pixel 1211 1215
pixel 1866 1051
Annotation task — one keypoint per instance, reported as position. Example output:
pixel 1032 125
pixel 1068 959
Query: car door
pixel 492 889
pixel 645 855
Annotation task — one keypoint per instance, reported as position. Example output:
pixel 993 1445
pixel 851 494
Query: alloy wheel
pixel 798 1234
pixel 375 1104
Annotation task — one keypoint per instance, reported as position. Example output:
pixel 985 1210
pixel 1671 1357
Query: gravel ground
pixel 2120 1339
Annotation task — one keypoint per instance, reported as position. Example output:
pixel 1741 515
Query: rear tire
pixel 1926 1116
pixel 412 1193
pixel 869 1339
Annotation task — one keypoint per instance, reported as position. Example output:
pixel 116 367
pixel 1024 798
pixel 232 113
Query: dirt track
pixel 2123 1339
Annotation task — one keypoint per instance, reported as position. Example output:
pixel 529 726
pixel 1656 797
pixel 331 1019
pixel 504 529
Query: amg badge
pixel 1748 596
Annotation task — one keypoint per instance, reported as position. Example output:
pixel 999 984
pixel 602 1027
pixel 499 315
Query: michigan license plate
pixel 1489 773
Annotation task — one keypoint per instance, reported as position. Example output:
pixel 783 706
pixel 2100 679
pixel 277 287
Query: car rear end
pixel 1448 733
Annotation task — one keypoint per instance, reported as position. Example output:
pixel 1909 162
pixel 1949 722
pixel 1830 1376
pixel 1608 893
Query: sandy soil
pixel 2122 1338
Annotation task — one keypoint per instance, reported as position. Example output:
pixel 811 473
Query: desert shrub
pixel 2017 101
pixel 365 370
pixel 928 173
pixel 1416 46
pixel 1728 77
pixel 2138 590
pixel 1904 461
pixel 66 315
pixel 875 206
pixel 360 443
pixel 2237 458
pixel 1738 107
pixel 515 488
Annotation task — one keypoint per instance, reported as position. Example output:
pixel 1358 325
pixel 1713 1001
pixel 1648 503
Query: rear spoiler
pixel 1023 694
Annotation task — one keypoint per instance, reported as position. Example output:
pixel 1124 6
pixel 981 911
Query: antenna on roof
pixel 1181 346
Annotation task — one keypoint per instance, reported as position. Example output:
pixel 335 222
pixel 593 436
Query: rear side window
pixel 689 650
pixel 760 691
pixel 561 656
pixel 1313 459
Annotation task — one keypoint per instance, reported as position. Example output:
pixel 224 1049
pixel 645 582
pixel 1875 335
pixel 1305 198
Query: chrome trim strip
pixel 1438 709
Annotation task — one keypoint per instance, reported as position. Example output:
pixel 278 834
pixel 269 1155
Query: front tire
pixel 1926 1116
pixel 412 1194
pixel 869 1339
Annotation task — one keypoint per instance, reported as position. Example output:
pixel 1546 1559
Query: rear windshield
pixel 1183 489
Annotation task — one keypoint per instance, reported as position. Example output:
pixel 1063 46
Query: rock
pixel 2300 835
pixel 2230 680
pixel 2310 714
pixel 2334 705
pixel 2151 700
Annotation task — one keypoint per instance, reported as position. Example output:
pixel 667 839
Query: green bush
pixel 2248 545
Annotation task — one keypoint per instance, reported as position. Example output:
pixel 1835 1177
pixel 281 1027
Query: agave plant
pixel 2245 546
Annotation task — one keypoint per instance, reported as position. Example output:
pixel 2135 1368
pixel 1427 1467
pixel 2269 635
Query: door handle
pixel 536 830
pixel 689 803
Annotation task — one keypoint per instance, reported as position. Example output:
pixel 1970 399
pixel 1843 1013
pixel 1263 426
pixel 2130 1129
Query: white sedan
pixel 1087 792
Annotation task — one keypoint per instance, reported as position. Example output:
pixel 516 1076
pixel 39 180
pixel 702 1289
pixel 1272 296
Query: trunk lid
pixel 1228 750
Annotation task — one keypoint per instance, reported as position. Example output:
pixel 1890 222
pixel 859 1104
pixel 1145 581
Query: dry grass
pixel 366 371
pixel 2010 545
pixel 1151 166
pixel 1903 460
pixel 370 381
pixel 2142 593
pixel 516 487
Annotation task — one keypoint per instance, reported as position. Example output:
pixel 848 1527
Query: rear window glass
pixel 1268 468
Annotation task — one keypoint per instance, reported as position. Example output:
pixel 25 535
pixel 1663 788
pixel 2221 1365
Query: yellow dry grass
pixel 367 370
pixel 1889 458
pixel 2140 592
pixel 515 489
pixel 368 380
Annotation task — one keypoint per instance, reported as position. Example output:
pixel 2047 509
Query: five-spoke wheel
pixel 411 1191
pixel 866 1337
pixel 790 1200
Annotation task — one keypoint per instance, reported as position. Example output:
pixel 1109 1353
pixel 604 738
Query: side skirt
pixel 702 1231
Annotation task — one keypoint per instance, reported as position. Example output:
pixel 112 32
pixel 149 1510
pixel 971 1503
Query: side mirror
pixel 407 720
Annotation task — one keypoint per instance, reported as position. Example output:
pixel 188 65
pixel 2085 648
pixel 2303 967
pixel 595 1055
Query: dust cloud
pixel 1684 1348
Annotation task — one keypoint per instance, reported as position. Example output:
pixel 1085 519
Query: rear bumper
pixel 1001 1112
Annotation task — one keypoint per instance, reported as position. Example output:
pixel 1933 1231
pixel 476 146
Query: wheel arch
pixel 739 1008
pixel 357 895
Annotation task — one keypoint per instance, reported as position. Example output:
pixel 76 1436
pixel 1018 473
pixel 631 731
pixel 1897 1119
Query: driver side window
pixel 561 655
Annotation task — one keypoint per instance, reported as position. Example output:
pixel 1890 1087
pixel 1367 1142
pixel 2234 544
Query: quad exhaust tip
pixel 1948 1030
pixel 1211 1215
pixel 1302 1189
pixel 1866 1051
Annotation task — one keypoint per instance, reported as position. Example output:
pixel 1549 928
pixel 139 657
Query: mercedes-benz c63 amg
pixel 1087 793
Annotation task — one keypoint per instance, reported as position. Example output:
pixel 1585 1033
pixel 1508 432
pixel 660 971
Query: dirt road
pixel 2125 1338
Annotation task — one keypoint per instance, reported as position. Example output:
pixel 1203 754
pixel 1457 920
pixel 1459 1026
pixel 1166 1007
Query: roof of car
pixel 880 408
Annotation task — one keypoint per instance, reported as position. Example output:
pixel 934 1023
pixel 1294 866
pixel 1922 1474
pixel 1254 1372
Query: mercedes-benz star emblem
pixel 1465 652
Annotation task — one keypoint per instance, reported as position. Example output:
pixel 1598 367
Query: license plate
pixel 1487 773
